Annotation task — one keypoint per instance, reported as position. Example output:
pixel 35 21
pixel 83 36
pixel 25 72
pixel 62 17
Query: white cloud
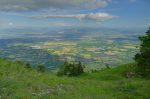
pixel 25 5
pixel 91 16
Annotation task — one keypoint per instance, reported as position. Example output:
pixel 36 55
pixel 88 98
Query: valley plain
pixel 96 48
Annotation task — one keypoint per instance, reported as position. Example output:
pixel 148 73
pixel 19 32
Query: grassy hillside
pixel 17 82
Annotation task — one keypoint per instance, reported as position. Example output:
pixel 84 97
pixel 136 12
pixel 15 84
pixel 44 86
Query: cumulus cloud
pixel 25 5
pixel 91 16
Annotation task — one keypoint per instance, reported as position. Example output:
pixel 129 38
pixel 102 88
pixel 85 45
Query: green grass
pixel 17 82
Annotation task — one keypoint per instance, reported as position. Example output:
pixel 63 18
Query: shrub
pixel 19 62
pixel 40 68
pixel 27 65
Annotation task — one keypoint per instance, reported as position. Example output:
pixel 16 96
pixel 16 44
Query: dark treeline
pixel 71 69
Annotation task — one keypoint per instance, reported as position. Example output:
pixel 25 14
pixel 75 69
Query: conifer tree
pixel 143 57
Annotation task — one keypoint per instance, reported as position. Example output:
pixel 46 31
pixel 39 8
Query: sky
pixel 75 13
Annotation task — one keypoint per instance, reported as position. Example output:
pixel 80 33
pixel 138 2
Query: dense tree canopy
pixel 143 57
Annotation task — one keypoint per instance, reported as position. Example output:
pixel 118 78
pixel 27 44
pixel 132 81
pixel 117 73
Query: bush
pixel 143 57
pixel 19 62
pixel 40 68
pixel 27 65
pixel 71 69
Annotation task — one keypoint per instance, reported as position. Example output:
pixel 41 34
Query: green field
pixel 17 82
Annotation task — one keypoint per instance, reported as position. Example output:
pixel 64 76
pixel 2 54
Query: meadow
pixel 19 82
